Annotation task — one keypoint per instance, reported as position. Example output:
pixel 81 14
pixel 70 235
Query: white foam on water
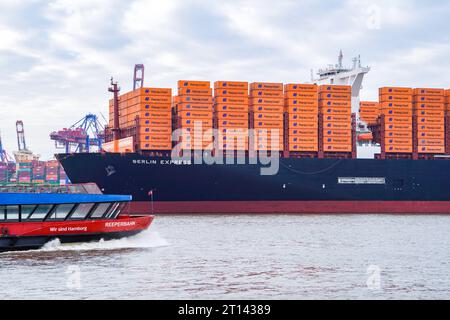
pixel 146 239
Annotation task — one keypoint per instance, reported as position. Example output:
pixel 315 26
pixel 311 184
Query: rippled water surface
pixel 245 257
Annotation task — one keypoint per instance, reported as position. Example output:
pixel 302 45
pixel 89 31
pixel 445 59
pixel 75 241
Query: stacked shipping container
pixel 335 108
pixel 231 115
pixel 396 108
pixel 266 116
pixel 369 111
pixel 429 112
pixel 301 108
pixel 194 110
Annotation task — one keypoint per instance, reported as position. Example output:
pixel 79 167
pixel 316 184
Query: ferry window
pixel 2 212
pixel 12 212
pixel 100 210
pixel 114 211
pixel 61 211
pixel 41 211
pixel 82 211
pixel 27 210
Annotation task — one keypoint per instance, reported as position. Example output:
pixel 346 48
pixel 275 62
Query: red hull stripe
pixel 292 207
pixel 123 224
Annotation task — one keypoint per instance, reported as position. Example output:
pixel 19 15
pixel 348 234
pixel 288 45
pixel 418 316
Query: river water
pixel 245 257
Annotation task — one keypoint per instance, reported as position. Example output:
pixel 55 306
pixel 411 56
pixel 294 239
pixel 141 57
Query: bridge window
pixel 61 211
pixel 81 211
pixel 100 210
pixel 12 212
pixel 41 212
pixel 26 210
pixel 2 212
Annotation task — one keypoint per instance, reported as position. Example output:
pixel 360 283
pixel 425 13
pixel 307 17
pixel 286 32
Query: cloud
pixel 56 57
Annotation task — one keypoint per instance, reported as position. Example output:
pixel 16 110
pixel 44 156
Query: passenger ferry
pixel 32 216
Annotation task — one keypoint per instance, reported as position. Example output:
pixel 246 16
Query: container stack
pixel 447 122
pixel 231 115
pixel 266 116
pixel 301 107
pixel 39 172
pixel 369 111
pixel 25 171
pixel 335 113
pixel 396 121
pixel 52 170
pixel 195 111
pixel 429 110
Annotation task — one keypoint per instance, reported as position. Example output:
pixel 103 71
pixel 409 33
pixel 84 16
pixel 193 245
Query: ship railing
pixel 87 188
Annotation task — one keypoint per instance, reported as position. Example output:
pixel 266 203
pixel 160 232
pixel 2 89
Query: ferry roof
pixel 45 198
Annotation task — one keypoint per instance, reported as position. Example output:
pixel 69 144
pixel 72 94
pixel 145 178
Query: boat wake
pixel 146 239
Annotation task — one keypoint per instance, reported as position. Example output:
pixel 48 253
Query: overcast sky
pixel 56 57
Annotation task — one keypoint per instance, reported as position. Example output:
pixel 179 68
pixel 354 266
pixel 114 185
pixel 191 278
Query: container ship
pixel 330 152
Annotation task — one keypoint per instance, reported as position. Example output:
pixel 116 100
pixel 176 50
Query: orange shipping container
pixel 337 111
pixel 402 105
pixel 303 117
pixel 155 146
pixel 398 149
pixel 431 134
pixel 337 118
pixel 337 125
pixel 194 84
pixel 337 133
pixel 395 90
pixel 301 103
pixel 335 88
pixel 150 115
pixel 302 95
pixel 157 122
pixel 431 149
pixel 258 116
pixel 267 109
pixel 186 145
pixel 308 140
pixel 243 124
pixel 303 125
pixel 399 127
pixel 230 85
pixel 151 92
pixel 234 131
pixel 231 92
pixel 155 130
pixel 335 103
pixel 398 141
pixel 195 107
pixel 432 142
pixel 196 99
pixel 268 124
pixel 191 123
pixel 232 115
pixel 303 148
pixel 267 101
pixel 369 104
pixel 399 134
pixel 430 121
pixel 266 94
pixel 157 107
pixel 335 96
pixel 192 114
pixel 150 100
pixel 430 113
pixel 398 120
pixel 337 148
pixel 397 112
pixel 301 87
pixel 430 106
pixel 231 107
pixel 396 98
pixel 231 100
pixel 194 92
pixel 337 140
pixel 266 86
pixel 303 132
pixel 302 110
pixel 429 92
pixel 152 138
pixel 429 99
